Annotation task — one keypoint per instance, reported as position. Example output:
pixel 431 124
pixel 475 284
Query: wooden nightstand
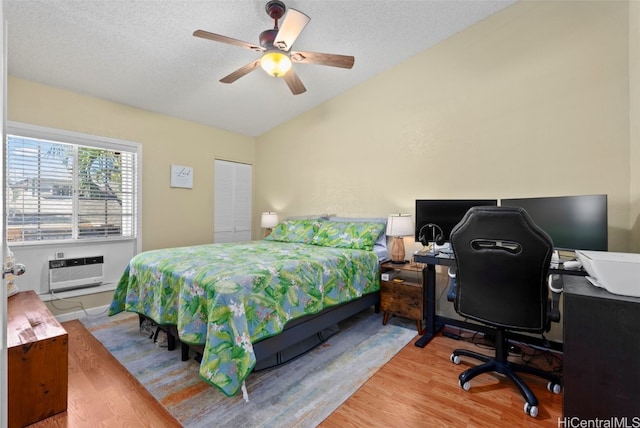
pixel 403 296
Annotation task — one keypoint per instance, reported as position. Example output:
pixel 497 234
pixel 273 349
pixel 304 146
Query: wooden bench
pixel 37 360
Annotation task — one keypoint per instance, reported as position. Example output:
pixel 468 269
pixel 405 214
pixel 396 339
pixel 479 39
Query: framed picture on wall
pixel 182 176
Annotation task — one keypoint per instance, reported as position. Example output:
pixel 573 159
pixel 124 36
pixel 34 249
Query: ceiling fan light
pixel 275 63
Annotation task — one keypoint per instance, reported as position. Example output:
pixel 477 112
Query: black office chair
pixel 502 267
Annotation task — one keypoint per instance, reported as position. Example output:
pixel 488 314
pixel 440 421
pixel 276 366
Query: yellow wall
pixel 532 101
pixel 170 216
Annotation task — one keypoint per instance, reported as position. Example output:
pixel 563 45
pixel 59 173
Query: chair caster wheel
pixel 554 387
pixel 455 359
pixel 466 386
pixel 531 410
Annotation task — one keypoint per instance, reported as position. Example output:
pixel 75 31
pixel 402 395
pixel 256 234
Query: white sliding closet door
pixel 232 202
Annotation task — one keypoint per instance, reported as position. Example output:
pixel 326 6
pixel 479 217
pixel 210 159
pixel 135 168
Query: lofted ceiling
pixel 142 53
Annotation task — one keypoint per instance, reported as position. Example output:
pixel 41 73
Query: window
pixel 69 187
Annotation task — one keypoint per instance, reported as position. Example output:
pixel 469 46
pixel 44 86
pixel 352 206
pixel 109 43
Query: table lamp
pixel 268 221
pixel 399 226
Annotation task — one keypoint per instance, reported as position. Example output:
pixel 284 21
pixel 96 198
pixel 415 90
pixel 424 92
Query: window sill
pixel 74 242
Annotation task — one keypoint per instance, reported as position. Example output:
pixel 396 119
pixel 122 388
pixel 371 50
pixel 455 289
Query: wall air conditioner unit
pixel 69 274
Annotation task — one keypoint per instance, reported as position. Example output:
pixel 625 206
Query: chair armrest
pixel 453 269
pixel 453 285
pixel 556 285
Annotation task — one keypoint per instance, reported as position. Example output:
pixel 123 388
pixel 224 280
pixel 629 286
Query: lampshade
pixel 400 225
pixel 269 220
pixel 275 63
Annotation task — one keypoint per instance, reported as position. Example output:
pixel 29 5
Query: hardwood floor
pixel 101 392
pixel 417 388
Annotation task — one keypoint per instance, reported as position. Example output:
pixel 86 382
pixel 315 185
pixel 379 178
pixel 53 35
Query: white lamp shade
pixel 400 225
pixel 269 220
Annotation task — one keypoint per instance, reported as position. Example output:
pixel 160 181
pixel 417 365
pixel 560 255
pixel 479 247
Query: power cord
pixel 78 304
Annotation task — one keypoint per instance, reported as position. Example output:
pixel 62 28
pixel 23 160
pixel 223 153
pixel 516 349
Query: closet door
pixel 232 202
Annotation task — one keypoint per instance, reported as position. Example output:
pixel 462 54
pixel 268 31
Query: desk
pixel 434 323
pixel 601 335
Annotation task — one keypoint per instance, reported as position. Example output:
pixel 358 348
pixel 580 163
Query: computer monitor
pixel 572 222
pixel 445 213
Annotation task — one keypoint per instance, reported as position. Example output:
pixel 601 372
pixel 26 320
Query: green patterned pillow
pixel 358 236
pixel 294 231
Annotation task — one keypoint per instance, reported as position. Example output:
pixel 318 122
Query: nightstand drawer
pixel 404 299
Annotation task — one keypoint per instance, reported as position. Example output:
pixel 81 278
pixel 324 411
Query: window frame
pixel 84 140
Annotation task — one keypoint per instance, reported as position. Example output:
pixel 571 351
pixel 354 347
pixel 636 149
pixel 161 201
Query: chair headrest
pixel 500 226
pixel 502 261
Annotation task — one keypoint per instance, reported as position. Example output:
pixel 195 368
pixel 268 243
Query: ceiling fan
pixel 275 47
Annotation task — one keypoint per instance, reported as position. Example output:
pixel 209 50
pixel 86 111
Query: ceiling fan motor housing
pixel 275 9
pixel 267 37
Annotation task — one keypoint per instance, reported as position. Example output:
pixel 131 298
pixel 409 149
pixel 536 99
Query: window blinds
pixel 61 191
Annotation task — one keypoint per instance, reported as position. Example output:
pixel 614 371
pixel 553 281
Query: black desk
pixel 435 323
pixel 601 336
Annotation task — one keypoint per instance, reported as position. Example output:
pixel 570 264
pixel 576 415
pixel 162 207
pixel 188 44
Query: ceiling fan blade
pixel 342 61
pixel 242 71
pixel 224 39
pixel 293 24
pixel 294 83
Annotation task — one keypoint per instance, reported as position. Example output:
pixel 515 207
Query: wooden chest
pixel 37 348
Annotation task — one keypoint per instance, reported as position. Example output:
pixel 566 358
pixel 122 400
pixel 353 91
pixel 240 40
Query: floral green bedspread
pixel 228 296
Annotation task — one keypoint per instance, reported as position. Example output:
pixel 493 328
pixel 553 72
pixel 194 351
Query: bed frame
pixel 303 334
pixel 298 337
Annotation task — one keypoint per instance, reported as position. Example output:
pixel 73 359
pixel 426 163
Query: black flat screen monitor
pixel 446 213
pixel 572 222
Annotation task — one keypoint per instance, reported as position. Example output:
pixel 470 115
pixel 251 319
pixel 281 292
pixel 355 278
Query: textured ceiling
pixel 142 52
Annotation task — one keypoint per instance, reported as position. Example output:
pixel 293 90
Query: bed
pixel 243 300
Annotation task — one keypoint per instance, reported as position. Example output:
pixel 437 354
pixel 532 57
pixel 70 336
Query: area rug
pixel 301 393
